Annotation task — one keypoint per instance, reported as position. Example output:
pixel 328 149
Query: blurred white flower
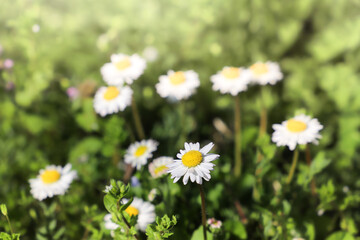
pixel 123 69
pixel 213 223
pixel 158 167
pixel 152 194
pixel 179 85
pixel 112 99
pixel 139 152
pixel 150 54
pixel 35 28
pixel 8 63
pixel 231 80
pixel 51 181
pixel 145 212
pixel 265 73
pixel 193 163
pixel 301 129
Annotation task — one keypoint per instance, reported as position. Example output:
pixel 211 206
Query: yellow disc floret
pixel 231 72
pixel 192 158
pixel 296 126
pixel 50 176
pixel 132 211
pixel 160 169
pixel 140 151
pixel 111 93
pixel 123 64
pixel 259 68
pixel 177 78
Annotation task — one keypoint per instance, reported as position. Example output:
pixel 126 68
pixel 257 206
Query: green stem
pixel 203 209
pixel 237 125
pixel 8 220
pixel 293 166
pixel 182 110
pixel 137 120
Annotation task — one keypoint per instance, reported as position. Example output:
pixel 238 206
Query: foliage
pixel 317 45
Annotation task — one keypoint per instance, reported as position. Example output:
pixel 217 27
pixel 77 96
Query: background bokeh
pixel 59 44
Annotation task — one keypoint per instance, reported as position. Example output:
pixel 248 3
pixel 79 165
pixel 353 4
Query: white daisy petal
pixel 265 73
pixel 138 153
pixel 52 181
pixel 231 80
pixel 296 131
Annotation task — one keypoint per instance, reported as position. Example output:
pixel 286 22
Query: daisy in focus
pixel 123 69
pixel 145 212
pixel 265 73
pixel 51 181
pixel 158 167
pixel 193 163
pixel 179 85
pixel 301 129
pixel 112 99
pixel 139 152
pixel 231 80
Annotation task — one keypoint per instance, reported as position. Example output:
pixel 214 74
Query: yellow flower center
pixel 140 151
pixel 111 93
pixel 160 169
pixel 259 68
pixel 50 176
pixel 192 158
pixel 296 126
pixel 231 72
pixel 177 78
pixel 132 211
pixel 123 64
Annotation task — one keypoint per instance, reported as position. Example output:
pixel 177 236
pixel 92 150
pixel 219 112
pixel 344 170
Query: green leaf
pixel 199 234
pixel 340 236
pixel 236 228
pixel 110 203
pixel 3 209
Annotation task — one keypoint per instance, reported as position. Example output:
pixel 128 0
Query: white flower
pixel 150 54
pixel 139 152
pixel 109 224
pixel 123 69
pixel 145 212
pixel 108 188
pixel 214 223
pixel 231 80
pixel 152 194
pixel 158 167
pixel 193 163
pixel 178 85
pixel 265 73
pixel 112 99
pixel 35 28
pixel 301 129
pixel 51 181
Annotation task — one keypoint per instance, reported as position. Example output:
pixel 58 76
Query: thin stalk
pixel 8 220
pixel 237 125
pixel 293 166
pixel 128 172
pixel 137 120
pixel 182 112
pixel 308 162
pixel 203 209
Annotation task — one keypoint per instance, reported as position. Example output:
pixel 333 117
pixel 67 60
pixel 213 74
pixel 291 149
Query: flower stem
pixel 293 166
pixel 203 209
pixel 137 120
pixel 8 220
pixel 308 161
pixel 128 172
pixel 237 125
pixel 182 112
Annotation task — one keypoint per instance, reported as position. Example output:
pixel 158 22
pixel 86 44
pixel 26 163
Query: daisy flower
pixel 139 152
pixel 193 163
pixel 265 73
pixel 51 181
pixel 112 99
pixel 145 212
pixel 123 69
pixel 158 167
pixel 301 129
pixel 178 85
pixel 231 80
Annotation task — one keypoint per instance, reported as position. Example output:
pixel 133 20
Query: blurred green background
pixel 59 44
